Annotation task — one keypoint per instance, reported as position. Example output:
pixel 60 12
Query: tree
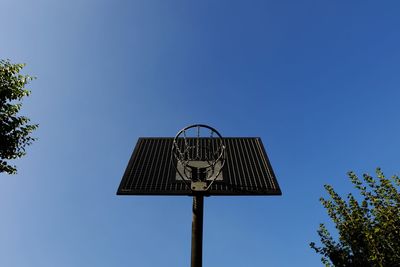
pixel 15 130
pixel 369 231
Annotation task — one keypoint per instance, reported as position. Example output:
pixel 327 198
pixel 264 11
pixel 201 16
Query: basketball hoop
pixel 198 162
pixel 200 153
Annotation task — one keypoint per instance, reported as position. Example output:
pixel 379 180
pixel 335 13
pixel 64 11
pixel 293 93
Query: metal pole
pixel 197 231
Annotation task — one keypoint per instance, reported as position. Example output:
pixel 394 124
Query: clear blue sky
pixel 318 81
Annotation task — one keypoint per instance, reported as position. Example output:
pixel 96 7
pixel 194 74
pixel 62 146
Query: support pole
pixel 197 231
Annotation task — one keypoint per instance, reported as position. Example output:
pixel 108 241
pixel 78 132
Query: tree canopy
pixel 368 225
pixel 15 130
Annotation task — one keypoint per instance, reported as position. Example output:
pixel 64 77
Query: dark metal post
pixel 197 231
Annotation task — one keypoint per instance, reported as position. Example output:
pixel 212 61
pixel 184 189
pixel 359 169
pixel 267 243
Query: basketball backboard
pixel 153 169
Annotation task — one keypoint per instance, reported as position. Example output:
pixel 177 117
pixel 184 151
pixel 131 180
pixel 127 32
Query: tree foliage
pixel 369 230
pixel 15 130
